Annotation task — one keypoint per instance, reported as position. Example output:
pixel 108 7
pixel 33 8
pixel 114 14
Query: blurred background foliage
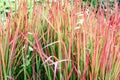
pixel 5 5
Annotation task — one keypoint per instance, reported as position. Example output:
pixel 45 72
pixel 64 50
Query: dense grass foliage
pixel 60 41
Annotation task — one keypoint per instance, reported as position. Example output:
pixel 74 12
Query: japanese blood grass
pixel 51 42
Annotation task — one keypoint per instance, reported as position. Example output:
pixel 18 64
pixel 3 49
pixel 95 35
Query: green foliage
pixel 58 41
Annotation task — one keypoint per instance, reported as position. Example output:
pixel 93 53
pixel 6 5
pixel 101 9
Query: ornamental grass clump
pixel 60 41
